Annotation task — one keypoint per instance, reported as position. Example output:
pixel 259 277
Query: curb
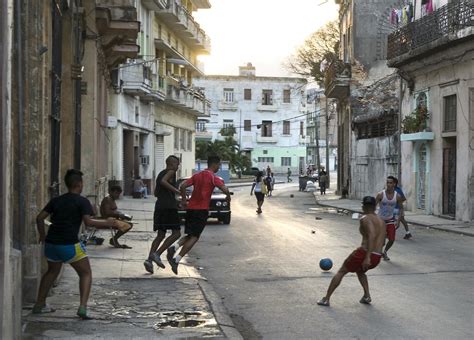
pixel 220 312
pixel 460 232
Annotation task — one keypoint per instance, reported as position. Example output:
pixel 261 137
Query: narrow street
pixel 266 270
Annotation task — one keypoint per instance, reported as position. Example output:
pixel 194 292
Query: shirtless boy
pixel 367 256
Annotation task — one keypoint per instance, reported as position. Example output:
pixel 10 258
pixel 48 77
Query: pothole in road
pixel 176 319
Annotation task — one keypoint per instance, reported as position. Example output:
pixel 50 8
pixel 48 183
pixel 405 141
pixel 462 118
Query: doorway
pixel 449 177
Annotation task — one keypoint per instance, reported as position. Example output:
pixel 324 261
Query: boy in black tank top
pixel 166 213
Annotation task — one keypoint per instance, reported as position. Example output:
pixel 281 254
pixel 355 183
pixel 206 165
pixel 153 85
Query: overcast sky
pixel 263 32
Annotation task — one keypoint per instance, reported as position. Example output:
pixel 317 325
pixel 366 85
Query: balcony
pixel 185 27
pixel 174 57
pixel 227 106
pixel 267 139
pixel 203 135
pixel 140 79
pixel 448 25
pixel 423 136
pixel 155 5
pixel 270 108
pixel 337 80
pixel 189 99
pixel 118 28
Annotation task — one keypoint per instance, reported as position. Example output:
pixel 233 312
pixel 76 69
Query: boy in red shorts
pixel 367 256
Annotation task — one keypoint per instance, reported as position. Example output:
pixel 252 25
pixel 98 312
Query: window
pixel 228 123
pixel 286 127
pixel 182 139
pixel 247 125
pixel 247 94
pixel 200 126
pixel 382 127
pixel 176 138
pixel 265 152
pixel 286 161
pixel 266 128
pixel 286 96
pixel 190 140
pixel 267 97
pixel 450 109
pixel 228 127
pixel 137 115
pixel 301 128
pixel 265 159
pixel 229 95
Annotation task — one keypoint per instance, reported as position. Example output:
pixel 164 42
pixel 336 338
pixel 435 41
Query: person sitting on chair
pixel 139 186
pixel 108 208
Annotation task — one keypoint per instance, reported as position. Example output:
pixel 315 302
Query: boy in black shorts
pixel 166 213
pixel 197 212
pixel 61 244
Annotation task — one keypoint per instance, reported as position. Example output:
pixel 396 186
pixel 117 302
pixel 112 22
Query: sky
pixel 263 32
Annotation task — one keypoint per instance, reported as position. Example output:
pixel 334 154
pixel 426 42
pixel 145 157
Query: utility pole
pixel 327 142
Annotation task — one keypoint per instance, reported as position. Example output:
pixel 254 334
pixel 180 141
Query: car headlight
pixel 224 204
pixel 218 204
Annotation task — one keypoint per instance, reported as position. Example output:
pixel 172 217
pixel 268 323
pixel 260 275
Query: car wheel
pixel 226 219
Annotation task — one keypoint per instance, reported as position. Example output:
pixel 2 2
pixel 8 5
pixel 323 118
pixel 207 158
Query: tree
pixel 319 46
pixel 227 150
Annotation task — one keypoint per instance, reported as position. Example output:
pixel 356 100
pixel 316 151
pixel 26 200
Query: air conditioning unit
pixel 145 160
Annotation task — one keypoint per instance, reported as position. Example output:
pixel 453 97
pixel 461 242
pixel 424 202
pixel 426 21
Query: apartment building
pixel 153 103
pixel 434 55
pixel 267 113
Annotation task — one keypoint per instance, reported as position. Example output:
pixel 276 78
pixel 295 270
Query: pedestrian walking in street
pixel 399 214
pixel 197 210
pixel 288 176
pixel 165 216
pixel 269 171
pixel 367 256
pixel 268 183
pixel 387 200
pixel 61 244
pixel 260 188
pixel 108 208
pixel 323 182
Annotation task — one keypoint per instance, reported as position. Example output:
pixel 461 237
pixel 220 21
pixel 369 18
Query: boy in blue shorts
pixel 61 244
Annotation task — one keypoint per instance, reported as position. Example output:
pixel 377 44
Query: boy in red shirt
pixel 197 212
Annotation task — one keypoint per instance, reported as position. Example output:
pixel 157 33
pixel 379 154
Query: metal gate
pixel 449 181
pixel 421 180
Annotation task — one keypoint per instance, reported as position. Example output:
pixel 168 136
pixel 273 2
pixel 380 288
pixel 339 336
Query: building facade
pixel 367 95
pixel 267 113
pixel 153 104
pixel 434 55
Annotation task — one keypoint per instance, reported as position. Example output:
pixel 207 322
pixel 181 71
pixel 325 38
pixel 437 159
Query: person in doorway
pixel 139 186
pixel 197 210
pixel 61 244
pixel 288 176
pixel 166 213
pixel 387 200
pixel 323 182
pixel 399 214
pixel 108 208
pixel 259 187
pixel 367 256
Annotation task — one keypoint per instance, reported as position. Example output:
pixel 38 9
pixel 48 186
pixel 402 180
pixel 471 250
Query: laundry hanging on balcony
pixel 402 16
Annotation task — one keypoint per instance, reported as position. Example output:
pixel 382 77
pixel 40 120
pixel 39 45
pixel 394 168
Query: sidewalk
pixel 127 302
pixel 428 221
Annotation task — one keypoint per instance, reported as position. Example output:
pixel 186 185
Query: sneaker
pixel 385 256
pixel 407 236
pixel 366 300
pixel 156 258
pixel 82 313
pixel 42 309
pixel 174 265
pixel 148 266
pixel 323 302
pixel 170 254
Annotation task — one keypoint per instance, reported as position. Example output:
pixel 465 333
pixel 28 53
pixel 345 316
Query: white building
pixel 154 102
pixel 268 114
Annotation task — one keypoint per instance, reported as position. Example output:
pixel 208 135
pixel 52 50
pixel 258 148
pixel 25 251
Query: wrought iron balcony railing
pixel 445 21
pixel 337 79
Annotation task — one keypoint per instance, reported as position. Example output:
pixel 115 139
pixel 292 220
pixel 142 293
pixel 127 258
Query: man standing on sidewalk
pixel 288 176
pixel 366 257
pixel 197 212
pixel 387 200
pixel 165 215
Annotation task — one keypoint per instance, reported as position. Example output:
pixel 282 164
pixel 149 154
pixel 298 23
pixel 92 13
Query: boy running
pixel 166 213
pixel 61 244
pixel 197 212
pixel 400 214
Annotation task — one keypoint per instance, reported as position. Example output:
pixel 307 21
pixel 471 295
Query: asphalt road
pixel 266 269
